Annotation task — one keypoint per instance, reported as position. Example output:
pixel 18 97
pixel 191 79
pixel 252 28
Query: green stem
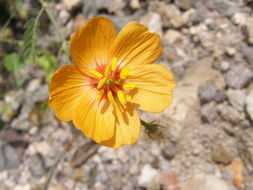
pixel 57 28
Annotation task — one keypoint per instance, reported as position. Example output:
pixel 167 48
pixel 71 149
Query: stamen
pixel 121 97
pixel 100 94
pixel 107 70
pixel 124 72
pixel 114 63
pixel 110 97
pixel 129 86
pixel 101 83
pixel 96 74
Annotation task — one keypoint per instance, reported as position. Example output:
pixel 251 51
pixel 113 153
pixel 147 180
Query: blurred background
pixel 207 132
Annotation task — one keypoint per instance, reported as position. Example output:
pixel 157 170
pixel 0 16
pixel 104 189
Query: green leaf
pixel 30 37
pixel 48 63
pixel 13 63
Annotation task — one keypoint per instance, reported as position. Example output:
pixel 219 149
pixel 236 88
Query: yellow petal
pixel 155 87
pixel 67 87
pixel 90 44
pixel 136 45
pixel 121 97
pixel 95 119
pixel 127 129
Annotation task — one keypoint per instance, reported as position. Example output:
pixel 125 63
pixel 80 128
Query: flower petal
pixel 154 88
pixel 135 44
pixel 67 86
pixel 127 129
pixel 95 118
pixel 90 44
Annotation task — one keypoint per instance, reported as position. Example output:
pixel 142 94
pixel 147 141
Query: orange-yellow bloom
pixel 111 78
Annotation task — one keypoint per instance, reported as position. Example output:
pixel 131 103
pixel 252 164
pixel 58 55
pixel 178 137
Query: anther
pixel 96 74
pixel 129 86
pixel 124 72
pixel 110 97
pixel 121 97
pixel 114 63
pixel 101 83
pixel 100 94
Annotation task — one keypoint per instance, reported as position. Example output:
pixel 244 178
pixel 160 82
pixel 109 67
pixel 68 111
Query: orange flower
pixel 111 78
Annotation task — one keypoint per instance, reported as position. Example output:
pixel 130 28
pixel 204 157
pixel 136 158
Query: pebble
pixel 239 19
pixel 249 31
pixel 184 4
pixel 206 93
pixel 230 114
pixel 220 154
pixel 8 157
pixel 173 37
pixel 153 21
pixel 225 7
pixel 135 4
pixel 170 14
pixel 147 175
pixel 204 182
pixel 224 66
pixel 238 77
pixel 236 98
pixel 209 112
pixel 249 104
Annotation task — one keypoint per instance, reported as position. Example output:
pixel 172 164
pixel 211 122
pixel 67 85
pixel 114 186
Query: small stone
pixel 189 16
pixel 230 114
pixel 170 14
pixel 71 4
pixel 204 182
pixel 172 37
pixel 8 157
pixel 247 54
pixel 35 165
pixel 147 174
pixel 220 97
pixel 249 31
pixel 224 66
pixel 247 146
pixel 249 104
pixel 225 7
pixel 135 4
pixel 236 98
pixel 239 19
pixel 221 155
pixel 33 85
pixel 206 93
pixel 209 112
pixel 184 4
pixel 230 51
pixel 169 151
pixel 238 77
pixel 153 21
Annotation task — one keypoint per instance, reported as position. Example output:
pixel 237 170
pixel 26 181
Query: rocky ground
pixel 208 44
